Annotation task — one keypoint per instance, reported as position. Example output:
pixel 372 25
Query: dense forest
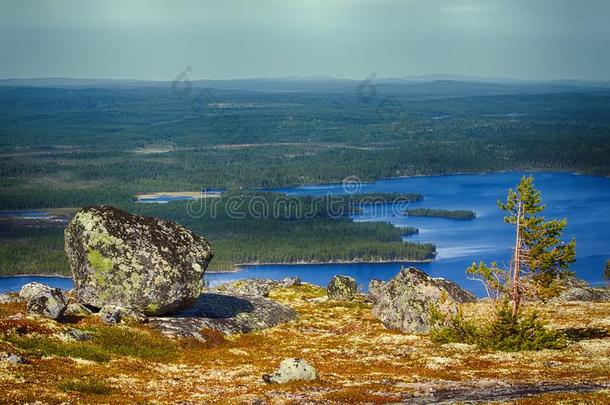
pixel 71 147
pixel 441 213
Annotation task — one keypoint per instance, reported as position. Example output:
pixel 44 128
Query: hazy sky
pixel 156 39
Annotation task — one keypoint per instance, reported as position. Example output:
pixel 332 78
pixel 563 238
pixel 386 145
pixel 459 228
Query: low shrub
pixel 504 332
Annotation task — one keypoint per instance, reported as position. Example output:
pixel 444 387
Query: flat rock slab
pixel 489 391
pixel 225 313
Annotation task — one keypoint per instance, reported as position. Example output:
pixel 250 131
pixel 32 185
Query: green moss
pixel 97 260
pixel 107 343
pixel 101 264
pixel 125 341
pixel 104 239
pixel 152 308
pixel 51 347
pixel 86 387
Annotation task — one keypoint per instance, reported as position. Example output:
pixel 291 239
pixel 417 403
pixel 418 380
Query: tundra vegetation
pixel 358 359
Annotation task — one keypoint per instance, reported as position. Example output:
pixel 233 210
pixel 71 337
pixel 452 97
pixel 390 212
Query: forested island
pixel 254 227
pixel 441 213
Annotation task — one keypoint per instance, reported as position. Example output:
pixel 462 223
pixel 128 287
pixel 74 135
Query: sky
pixel 224 39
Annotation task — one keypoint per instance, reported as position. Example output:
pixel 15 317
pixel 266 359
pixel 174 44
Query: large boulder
pixel 341 288
pixel 147 264
pixel 579 290
pixel 30 290
pixel 405 302
pixel 224 313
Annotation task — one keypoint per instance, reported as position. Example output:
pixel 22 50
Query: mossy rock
pixel 406 301
pixel 146 264
pixel 342 288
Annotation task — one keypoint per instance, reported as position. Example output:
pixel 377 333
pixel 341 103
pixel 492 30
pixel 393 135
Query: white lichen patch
pixel 437 363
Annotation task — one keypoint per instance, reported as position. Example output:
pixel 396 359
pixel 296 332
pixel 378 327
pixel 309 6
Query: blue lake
pixel 583 200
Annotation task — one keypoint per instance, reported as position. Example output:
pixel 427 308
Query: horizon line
pixel 422 77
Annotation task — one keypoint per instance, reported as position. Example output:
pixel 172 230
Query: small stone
pixel 110 314
pixel 290 282
pixel 78 309
pixel 48 302
pixel 133 316
pixel 341 288
pixel 13 358
pixel 292 369
pixel 75 335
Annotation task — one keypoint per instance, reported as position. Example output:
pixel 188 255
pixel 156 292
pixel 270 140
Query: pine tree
pixel 540 259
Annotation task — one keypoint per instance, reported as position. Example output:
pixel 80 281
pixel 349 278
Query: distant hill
pixel 414 87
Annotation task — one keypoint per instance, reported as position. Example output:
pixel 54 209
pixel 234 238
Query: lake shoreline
pixel 313 263
pixel 240 265
pixel 410 176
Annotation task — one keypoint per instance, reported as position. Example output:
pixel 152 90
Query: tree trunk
pixel 515 290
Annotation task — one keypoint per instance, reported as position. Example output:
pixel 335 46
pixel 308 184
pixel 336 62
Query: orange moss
pixel 12 308
pixel 23 327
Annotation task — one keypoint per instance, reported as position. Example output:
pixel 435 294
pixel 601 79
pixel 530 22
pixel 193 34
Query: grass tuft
pixel 107 342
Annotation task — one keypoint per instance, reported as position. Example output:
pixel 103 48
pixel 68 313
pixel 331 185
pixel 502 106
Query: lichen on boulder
pixel 30 290
pixel 44 300
pixel 375 286
pixel 342 288
pixel 146 264
pixel 291 369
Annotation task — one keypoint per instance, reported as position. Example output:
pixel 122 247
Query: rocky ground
pixel 357 359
